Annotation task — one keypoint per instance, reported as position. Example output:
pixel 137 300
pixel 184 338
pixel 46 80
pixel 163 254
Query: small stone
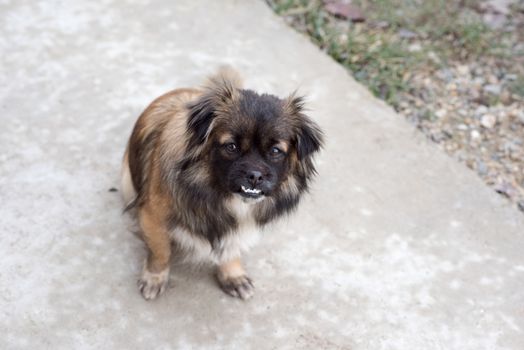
pixel 434 57
pixel 475 135
pixel 520 205
pixel 478 71
pixel 492 79
pixel 498 6
pixel 414 47
pixel 439 136
pixel 462 127
pixel 445 74
pixel 474 94
pixel 505 97
pixel 481 110
pixel 493 89
pixel 519 114
pixel 441 113
pixel 382 24
pixel 502 115
pixel 343 38
pixel 479 81
pixel 488 121
pixel 406 34
pixel 494 20
pixel 505 189
pixel 509 147
pixel 463 70
pixel 482 169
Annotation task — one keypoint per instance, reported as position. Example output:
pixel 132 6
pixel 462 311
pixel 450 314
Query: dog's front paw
pixel 152 284
pixel 239 287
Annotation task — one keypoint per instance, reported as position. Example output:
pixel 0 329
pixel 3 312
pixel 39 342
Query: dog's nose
pixel 254 178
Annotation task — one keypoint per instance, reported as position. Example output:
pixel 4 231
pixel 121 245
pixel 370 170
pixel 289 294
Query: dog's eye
pixel 275 151
pixel 231 147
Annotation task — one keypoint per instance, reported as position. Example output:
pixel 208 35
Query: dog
pixel 206 168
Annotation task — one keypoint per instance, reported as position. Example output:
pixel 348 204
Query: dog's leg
pixel 233 279
pixel 155 274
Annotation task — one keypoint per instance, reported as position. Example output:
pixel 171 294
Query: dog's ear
pixel 220 91
pixel 201 114
pixel 309 138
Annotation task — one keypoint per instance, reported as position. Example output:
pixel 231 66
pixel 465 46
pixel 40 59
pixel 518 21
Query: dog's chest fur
pixel 230 245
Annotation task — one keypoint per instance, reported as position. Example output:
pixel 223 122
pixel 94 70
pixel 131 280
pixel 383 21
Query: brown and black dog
pixel 204 169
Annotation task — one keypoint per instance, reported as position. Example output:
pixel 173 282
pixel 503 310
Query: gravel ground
pixel 463 88
pixel 449 107
pixel 474 109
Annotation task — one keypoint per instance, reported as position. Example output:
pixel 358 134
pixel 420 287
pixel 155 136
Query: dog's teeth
pixel 250 190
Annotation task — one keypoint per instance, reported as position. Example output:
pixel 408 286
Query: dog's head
pixel 254 144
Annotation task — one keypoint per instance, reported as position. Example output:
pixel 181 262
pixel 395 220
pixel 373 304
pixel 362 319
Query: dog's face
pixel 254 143
pixel 251 145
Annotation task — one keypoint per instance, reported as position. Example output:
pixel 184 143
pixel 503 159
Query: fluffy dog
pixel 206 168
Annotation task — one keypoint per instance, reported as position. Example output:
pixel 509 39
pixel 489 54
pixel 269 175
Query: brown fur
pixel 170 160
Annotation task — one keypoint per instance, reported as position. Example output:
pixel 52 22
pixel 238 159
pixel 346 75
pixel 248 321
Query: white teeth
pixel 250 190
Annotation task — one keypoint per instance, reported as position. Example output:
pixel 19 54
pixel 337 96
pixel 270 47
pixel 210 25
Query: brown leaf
pixel 506 189
pixel 345 9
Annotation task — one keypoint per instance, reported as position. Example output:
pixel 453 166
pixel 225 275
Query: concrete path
pixel 397 247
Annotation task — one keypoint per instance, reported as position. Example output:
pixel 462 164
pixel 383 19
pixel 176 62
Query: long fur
pixel 168 162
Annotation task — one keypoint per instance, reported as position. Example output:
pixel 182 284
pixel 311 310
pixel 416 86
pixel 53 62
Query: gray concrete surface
pixel 397 247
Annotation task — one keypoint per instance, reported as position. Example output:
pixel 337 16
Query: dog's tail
pixel 128 189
